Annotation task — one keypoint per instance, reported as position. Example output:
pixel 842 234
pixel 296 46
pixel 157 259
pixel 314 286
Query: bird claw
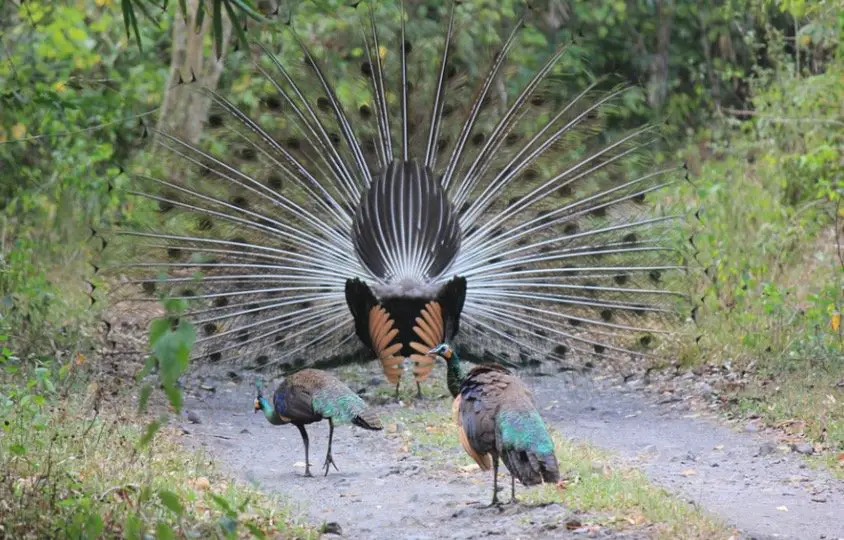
pixel 329 461
pixel 308 473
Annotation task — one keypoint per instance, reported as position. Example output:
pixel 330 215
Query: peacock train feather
pixel 478 206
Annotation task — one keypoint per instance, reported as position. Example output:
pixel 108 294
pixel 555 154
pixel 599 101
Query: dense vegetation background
pixel 750 92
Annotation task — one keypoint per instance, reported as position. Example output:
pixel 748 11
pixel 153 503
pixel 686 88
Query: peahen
pixel 312 395
pixel 497 418
pixel 419 205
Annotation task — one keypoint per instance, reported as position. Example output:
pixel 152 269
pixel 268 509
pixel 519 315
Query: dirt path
pixel 743 477
pixel 383 492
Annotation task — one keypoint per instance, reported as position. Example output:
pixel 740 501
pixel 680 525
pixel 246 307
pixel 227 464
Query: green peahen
pixel 497 418
pixel 312 395
pixel 427 201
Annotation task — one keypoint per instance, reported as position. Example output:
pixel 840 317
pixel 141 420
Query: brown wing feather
pixel 382 332
pixel 429 330
pixel 484 461
pixel 434 323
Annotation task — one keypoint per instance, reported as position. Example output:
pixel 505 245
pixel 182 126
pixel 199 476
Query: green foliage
pixel 73 468
pixel 770 186
pixel 237 11
pixel 171 339
pixel 73 94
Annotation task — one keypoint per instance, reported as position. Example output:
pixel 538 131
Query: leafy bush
pixel 77 466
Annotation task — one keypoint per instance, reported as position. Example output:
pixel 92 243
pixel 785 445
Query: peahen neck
pixel 269 412
pixel 454 375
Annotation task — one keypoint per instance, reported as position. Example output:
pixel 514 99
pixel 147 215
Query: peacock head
pixel 442 350
pixel 258 385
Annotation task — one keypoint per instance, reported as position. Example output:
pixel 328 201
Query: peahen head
pixel 259 406
pixel 442 350
pixel 454 375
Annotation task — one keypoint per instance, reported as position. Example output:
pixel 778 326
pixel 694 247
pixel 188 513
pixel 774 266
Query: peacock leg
pixel 513 499
pixel 398 383
pixel 495 501
pixel 328 459
pixel 305 440
pixel 419 391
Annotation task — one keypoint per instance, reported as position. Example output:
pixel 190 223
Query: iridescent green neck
pixel 454 375
pixel 270 413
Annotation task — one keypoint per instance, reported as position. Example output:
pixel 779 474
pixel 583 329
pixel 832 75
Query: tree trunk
pixel 184 109
pixel 658 83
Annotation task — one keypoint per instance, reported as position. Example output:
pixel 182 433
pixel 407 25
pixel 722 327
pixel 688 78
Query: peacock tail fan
pixel 409 165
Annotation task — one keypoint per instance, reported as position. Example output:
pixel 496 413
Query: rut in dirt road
pixel 381 493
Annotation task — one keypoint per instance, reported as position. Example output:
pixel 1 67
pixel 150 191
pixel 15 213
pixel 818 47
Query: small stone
pixel 208 387
pixel 332 527
pixel 751 428
pixel 704 388
pixel 803 448
pixel 193 418
pixel 766 448
pixel 819 499
pixel 573 524
pixel 244 431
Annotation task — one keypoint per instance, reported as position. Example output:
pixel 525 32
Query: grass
pixel 70 471
pixel 771 241
pixel 603 493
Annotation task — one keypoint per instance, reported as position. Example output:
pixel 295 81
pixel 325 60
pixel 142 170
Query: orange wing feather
pixel 382 333
pixel 429 330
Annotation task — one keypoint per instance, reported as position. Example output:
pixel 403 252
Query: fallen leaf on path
pixel 470 468
pixel 782 508
pixel 719 447
pixel 636 519
pixel 688 472
pixel 840 457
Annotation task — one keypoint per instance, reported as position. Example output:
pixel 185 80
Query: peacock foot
pixel 329 461
pixel 308 473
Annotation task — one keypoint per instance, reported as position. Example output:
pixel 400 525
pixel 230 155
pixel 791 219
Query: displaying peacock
pixel 428 201
pixel 312 395
pixel 497 418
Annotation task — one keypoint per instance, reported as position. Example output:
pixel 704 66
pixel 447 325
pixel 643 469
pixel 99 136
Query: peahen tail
pixel 380 209
pixel 526 447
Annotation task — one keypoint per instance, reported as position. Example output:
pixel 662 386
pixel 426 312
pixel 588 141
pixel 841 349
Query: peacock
pixel 427 201
pixel 312 395
pixel 497 418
